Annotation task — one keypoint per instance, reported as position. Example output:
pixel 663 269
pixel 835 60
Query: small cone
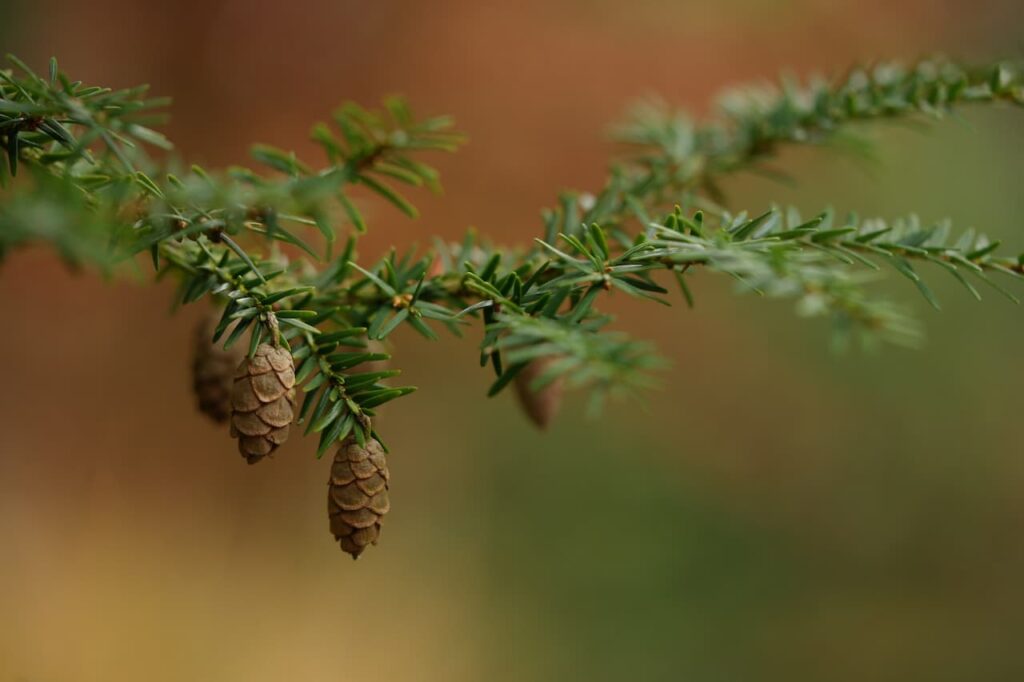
pixel 262 402
pixel 213 370
pixel 541 406
pixel 357 497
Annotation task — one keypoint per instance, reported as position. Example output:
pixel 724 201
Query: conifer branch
pixel 675 156
pixel 242 236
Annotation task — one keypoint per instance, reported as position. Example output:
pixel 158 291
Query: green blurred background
pixel 774 512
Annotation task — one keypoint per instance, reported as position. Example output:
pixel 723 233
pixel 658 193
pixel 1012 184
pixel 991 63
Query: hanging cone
pixel 357 497
pixel 262 402
pixel 541 406
pixel 213 370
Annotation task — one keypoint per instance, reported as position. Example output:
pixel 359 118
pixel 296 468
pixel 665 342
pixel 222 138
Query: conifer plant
pixel 298 339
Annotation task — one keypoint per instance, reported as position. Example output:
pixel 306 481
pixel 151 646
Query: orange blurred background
pixel 774 512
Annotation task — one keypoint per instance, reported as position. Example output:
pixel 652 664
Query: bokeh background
pixel 774 512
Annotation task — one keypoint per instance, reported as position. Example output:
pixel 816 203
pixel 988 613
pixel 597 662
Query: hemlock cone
pixel 213 370
pixel 262 402
pixel 357 497
pixel 540 405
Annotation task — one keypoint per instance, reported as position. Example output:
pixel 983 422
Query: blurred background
pixel 774 512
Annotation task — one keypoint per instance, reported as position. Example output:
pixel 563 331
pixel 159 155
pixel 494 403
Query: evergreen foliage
pixel 276 244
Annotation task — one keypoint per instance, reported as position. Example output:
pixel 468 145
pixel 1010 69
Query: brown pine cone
pixel 262 402
pixel 541 406
pixel 357 498
pixel 213 369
